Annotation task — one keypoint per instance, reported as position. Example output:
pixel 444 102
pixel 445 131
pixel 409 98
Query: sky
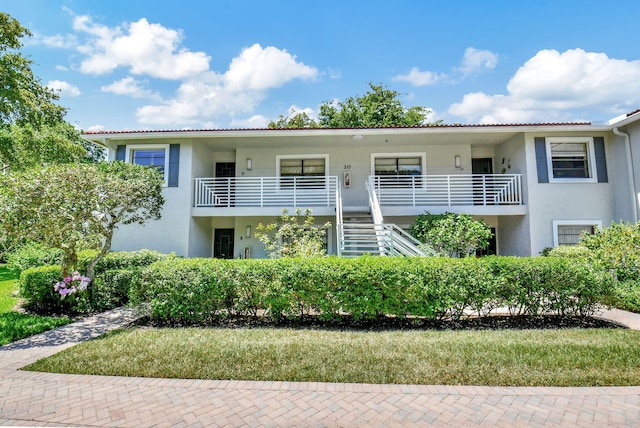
pixel 197 64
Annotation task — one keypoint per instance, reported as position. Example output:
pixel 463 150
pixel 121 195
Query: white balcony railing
pixel 448 190
pixel 266 192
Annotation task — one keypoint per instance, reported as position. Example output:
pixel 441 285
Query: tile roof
pixel 454 125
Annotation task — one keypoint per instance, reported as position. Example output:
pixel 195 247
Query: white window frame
pixel 421 155
pixel 128 158
pixel 591 156
pixel 556 223
pixel 302 157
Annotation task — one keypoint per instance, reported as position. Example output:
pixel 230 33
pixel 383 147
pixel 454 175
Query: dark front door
pixel 225 189
pixel 223 244
pixel 482 186
pixel 482 166
pixel 225 169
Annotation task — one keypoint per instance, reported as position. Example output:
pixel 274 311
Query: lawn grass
pixel 13 325
pixel 566 357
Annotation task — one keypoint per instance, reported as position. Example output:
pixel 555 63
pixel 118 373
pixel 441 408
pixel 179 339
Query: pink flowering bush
pixel 71 285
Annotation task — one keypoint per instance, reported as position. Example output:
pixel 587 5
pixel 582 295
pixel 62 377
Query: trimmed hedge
pixel 199 290
pixel 115 274
pixel 36 288
pixel 33 255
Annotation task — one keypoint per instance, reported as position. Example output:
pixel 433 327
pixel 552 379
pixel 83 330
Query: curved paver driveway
pixel 45 399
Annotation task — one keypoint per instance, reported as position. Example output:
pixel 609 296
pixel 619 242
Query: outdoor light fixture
pixel 456 161
pixel 247 231
pixel 249 164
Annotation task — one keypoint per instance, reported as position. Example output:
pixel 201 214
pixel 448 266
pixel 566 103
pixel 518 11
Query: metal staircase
pixel 361 233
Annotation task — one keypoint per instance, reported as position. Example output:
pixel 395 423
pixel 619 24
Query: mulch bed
pixel 493 322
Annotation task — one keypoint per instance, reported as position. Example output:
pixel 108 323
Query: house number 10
pixel 347 167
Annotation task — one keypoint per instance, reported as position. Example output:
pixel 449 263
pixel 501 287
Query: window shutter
pixel 174 165
pixel 601 160
pixel 120 152
pixel 541 159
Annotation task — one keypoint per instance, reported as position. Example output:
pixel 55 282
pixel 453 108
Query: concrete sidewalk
pixel 45 399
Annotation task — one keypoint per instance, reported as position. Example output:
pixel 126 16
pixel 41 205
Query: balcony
pixel 490 194
pixel 404 195
pixel 264 195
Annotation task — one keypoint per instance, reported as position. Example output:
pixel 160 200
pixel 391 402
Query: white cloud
pixel 476 60
pixel 131 87
pixel 64 88
pixel 420 78
pixel 294 109
pixel 61 68
pixel 96 128
pixel 150 50
pixel 255 121
pixel 61 41
pixel 236 92
pixel 554 86
pixel 259 68
pixel 144 48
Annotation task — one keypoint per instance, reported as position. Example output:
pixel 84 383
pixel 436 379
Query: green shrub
pixel 36 288
pixel 185 290
pixel 570 251
pixel 110 289
pixel 199 290
pixel 33 255
pixel 115 275
pixel 617 247
pixel 120 260
pixel 627 296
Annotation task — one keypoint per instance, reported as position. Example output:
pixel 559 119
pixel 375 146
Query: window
pixel 164 157
pixel 302 167
pixel 398 169
pixel 569 232
pixel 398 166
pixel 570 159
pixel 149 157
pixel 296 170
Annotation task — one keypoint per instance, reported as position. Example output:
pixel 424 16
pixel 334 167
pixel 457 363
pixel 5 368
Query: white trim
pixel 421 155
pixel 556 223
pixel 128 157
pixel 591 156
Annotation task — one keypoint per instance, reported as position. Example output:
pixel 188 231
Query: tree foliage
pixel 293 238
pixel 450 234
pixel 617 247
pixel 32 127
pixel 23 98
pixel 23 147
pixel 64 206
pixel 378 107
pixel 297 120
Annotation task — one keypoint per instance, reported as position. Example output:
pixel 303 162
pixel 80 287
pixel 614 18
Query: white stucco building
pixel 537 185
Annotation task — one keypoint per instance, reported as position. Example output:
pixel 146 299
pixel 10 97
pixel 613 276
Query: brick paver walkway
pixel 45 399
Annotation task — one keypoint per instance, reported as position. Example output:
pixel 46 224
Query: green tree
pixel 23 98
pixel 298 120
pixel 32 126
pixel 293 238
pixel 380 106
pixel 23 147
pixel 450 234
pixel 64 206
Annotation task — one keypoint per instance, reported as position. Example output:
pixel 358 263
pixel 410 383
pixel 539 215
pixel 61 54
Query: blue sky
pixel 156 64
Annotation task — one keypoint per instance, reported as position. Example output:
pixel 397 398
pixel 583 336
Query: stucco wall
pixel 169 234
pixel 565 201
